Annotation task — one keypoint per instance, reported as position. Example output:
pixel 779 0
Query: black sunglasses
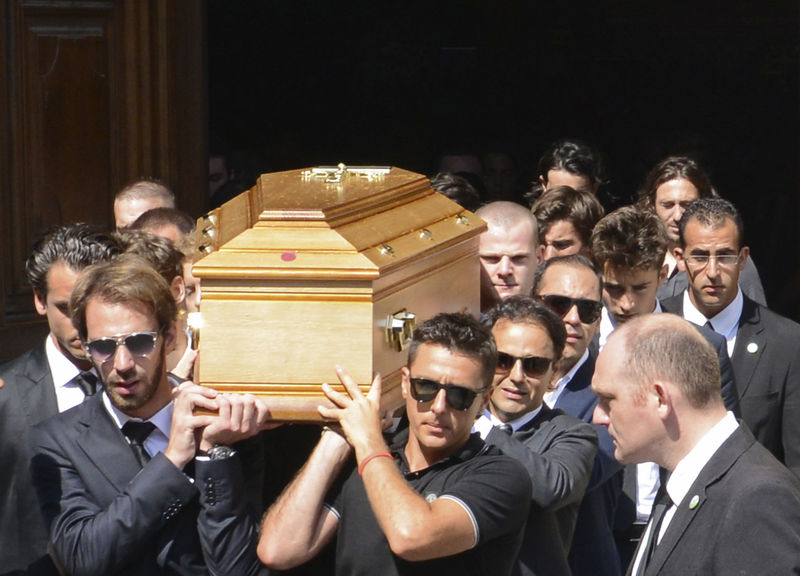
pixel 138 344
pixel 588 310
pixel 532 366
pixel 457 397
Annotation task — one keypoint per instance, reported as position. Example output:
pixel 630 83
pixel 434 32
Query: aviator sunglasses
pixel 588 310
pixel 532 366
pixel 457 397
pixel 137 343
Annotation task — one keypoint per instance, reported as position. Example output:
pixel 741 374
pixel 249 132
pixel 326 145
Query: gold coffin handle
pixel 399 329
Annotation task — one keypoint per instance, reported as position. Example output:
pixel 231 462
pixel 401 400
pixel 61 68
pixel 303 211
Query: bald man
pixel 509 251
pixel 729 505
pixel 137 198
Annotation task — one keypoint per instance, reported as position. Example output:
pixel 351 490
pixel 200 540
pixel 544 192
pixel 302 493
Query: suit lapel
pixel 696 497
pixel 36 390
pixel 750 344
pixel 105 446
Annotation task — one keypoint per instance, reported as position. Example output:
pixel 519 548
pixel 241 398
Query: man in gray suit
pixel 42 382
pixel 556 449
pixel 729 507
pixel 112 475
pixel 764 347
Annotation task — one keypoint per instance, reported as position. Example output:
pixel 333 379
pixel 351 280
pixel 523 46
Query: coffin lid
pixel 347 223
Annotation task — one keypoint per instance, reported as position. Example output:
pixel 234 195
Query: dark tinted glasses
pixel 588 310
pixel 457 397
pixel 532 366
pixel 138 344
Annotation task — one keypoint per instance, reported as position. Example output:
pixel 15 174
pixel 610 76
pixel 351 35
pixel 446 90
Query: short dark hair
pixel 572 260
pixel 458 189
pixel 575 157
pixel 674 168
pixel 157 218
pixel 578 207
pixel 126 279
pixel 630 237
pixel 526 310
pixel 712 212
pixel 161 253
pixel 460 334
pixel 75 245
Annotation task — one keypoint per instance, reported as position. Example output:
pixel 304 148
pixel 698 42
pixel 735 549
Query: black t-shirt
pixel 493 488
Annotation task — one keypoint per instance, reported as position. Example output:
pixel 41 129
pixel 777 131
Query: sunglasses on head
pixel 457 397
pixel 137 343
pixel 588 310
pixel 532 366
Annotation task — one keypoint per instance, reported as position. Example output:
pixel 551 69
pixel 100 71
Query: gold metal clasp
pixel 399 329
pixel 335 174
pixel 194 321
pixel 206 235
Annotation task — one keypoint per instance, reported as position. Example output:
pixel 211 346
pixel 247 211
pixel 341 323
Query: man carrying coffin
pixel 436 499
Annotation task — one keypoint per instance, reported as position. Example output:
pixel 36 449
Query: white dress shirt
pixel 487 421
pixel 551 397
pixel 725 322
pixel 159 438
pixel 63 371
pixel 687 471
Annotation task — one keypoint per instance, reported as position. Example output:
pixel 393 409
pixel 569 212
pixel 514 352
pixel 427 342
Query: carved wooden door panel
pixel 92 94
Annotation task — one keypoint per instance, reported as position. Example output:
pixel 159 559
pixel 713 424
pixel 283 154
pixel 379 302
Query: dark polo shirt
pixel 493 488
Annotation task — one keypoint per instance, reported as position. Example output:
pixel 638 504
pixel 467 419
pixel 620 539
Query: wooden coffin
pixel 319 267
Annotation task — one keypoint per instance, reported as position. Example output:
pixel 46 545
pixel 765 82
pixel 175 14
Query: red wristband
pixel 370 458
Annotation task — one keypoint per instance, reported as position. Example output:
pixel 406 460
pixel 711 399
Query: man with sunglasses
pixel 556 449
pixel 113 474
pixel 764 347
pixel 435 500
pixel 572 288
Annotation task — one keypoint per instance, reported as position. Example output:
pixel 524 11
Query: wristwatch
pixel 220 452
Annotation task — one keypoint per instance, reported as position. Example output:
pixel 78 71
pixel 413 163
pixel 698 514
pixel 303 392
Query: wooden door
pixel 92 95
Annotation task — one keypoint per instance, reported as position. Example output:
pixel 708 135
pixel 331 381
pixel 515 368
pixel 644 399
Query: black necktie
pixel 507 428
pixel 709 325
pixel 660 507
pixel 137 433
pixel 86 381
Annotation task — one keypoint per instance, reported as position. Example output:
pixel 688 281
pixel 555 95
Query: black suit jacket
pixel 558 452
pixel 766 365
pixel 593 551
pixel 740 516
pixel 106 515
pixel 27 398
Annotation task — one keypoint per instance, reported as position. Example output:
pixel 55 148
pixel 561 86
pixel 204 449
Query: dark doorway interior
pixel 296 84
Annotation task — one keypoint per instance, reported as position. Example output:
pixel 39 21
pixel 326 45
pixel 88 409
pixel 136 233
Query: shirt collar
pixel 690 466
pixel 515 424
pixel 551 397
pixel 62 370
pixel 671 262
pixel 161 419
pixel 725 322
pixel 607 325
pixel 472 447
